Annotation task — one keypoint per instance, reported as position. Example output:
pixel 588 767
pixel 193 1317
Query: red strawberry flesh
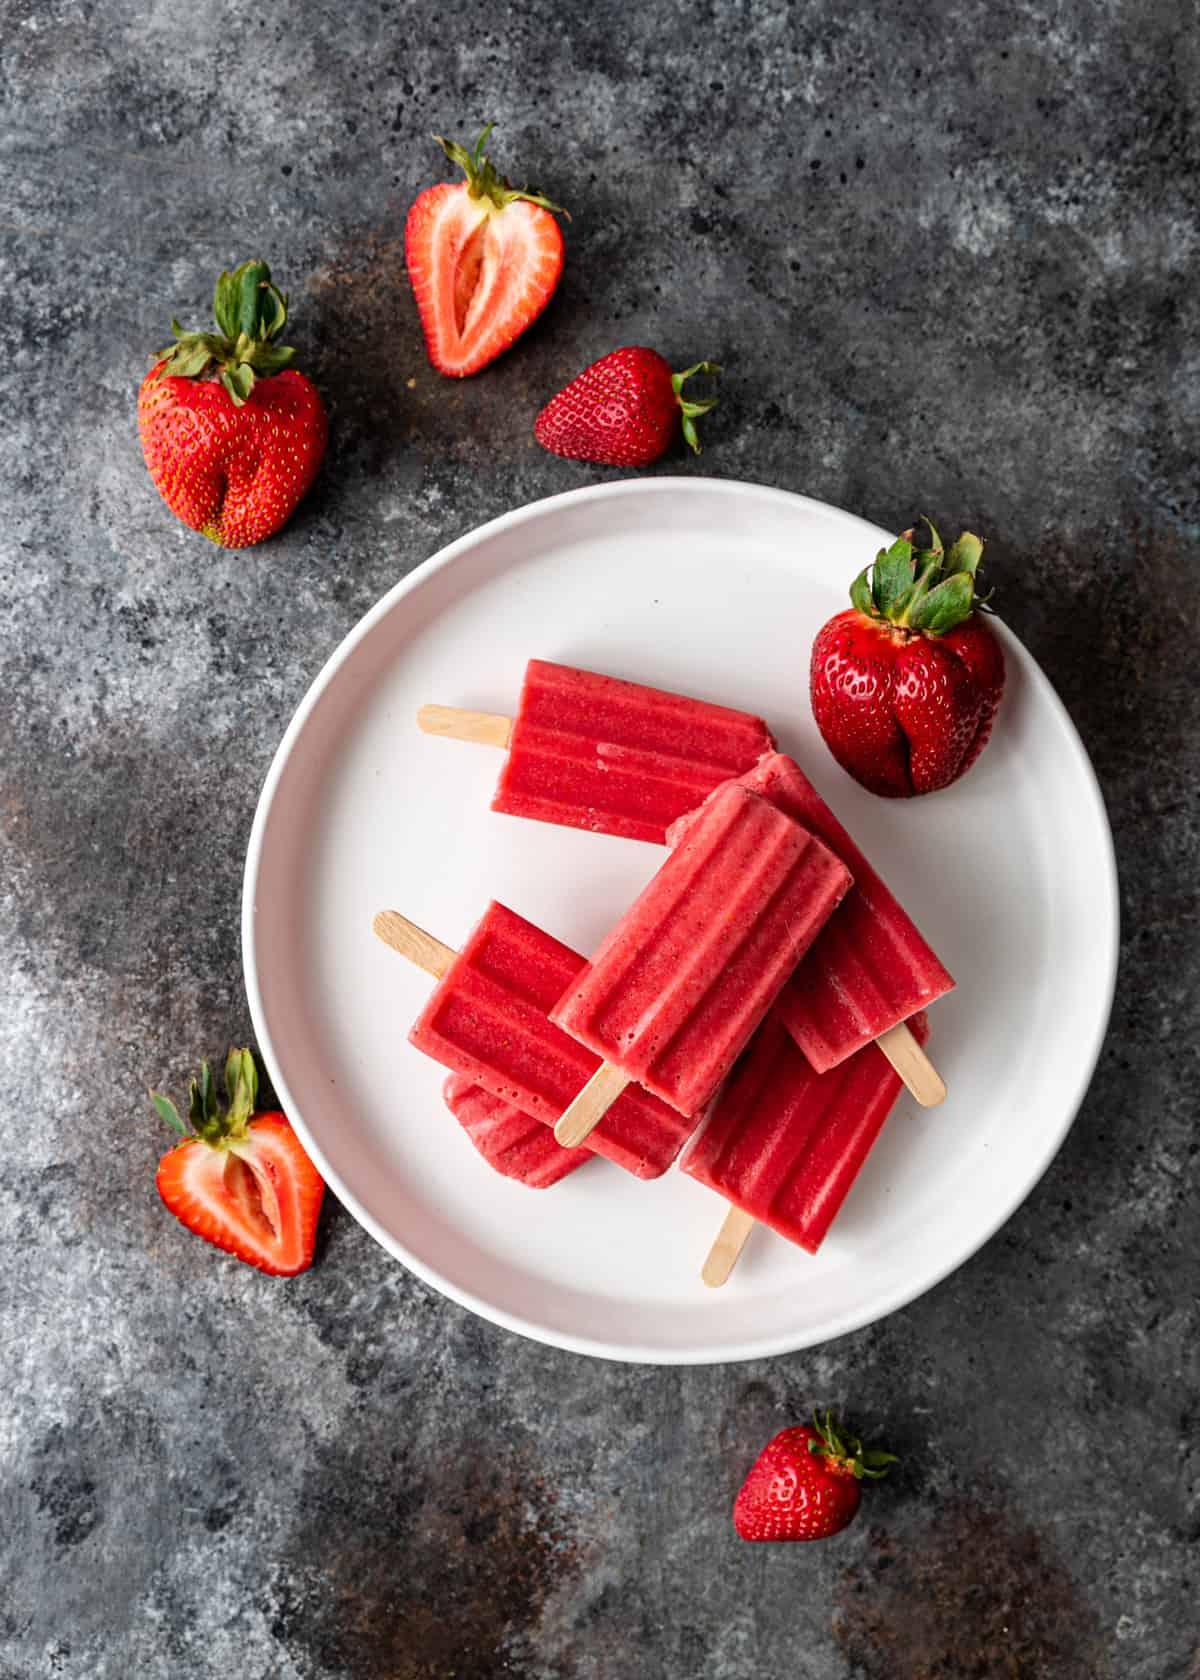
pixel 259 1200
pixel 483 260
pixel 242 1183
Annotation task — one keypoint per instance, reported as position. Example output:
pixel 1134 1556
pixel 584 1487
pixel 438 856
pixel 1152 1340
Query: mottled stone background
pixel 947 252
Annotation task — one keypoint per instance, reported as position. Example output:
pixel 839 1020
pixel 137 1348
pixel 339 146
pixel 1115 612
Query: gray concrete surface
pixel 947 252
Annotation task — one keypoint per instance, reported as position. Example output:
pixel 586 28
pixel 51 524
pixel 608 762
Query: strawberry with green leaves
pixel 239 1179
pixel 232 434
pixel 905 684
pixel 483 258
pixel 806 1484
pixel 626 410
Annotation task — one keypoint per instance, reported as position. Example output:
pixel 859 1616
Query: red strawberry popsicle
pixel 673 994
pixel 784 1144
pixel 488 1019
pixel 510 1141
pixel 870 969
pixel 596 752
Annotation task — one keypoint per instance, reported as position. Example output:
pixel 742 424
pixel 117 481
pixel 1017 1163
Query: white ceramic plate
pixel 716 589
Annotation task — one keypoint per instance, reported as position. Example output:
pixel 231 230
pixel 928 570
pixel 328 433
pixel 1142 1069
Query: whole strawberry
pixel 905 684
pixel 231 433
pixel 483 258
pixel 805 1484
pixel 239 1179
pixel 625 410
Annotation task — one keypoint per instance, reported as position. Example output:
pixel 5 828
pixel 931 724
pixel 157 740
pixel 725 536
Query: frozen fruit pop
pixel 784 1143
pixel 510 1140
pixel 595 752
pixel 487 1019
pixel 675 991
pixel 870 970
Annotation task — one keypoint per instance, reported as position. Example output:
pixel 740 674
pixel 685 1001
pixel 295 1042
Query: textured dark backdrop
pixel 947 254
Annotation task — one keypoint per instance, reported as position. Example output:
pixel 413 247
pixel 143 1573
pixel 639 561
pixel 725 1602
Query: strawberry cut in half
pixel 483 258
pixel 238 1179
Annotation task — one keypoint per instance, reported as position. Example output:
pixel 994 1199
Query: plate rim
pixel 764 1347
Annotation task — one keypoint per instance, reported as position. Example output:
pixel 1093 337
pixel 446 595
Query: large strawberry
pixel 483 257
pixel 241 1180
pixel 232 434
pixel 625 410
pixel 805 1484
pixel 905 684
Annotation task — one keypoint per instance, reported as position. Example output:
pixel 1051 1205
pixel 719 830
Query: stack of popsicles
pixel 765 932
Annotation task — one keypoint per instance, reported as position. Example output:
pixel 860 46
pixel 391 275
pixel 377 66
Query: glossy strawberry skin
pixel 481 275
pixel 905 713
pixel 976 644
pixel 259 1200
pixel 792 1493
pixel 236 474
pixel 622 411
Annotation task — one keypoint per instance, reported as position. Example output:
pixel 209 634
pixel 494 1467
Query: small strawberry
pixel 805 1484
pixel 232 435
pixel 905 684
pixel 483 258
pixel 625 410
pixel 240 1179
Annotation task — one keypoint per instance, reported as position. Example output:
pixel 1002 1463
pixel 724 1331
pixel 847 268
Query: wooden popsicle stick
pixel 577 1123
pixel 730 1241
pixel 923 1080
pixel 487 728
pixel 413 942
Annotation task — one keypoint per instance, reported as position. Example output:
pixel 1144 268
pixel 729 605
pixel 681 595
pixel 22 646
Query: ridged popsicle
pixel 596 752
pixel 675 991
pixel 487 1018
pixel 870 968
pixel 785 1143
pixel 510 1141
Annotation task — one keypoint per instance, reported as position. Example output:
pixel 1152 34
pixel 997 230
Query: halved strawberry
pixel 241 1180
pixel 483 259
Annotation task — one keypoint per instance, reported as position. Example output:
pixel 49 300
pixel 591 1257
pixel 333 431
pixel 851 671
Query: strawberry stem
pixel 919 587
pixel 250 312
pixel 847 1452
pixel 220 1127
pixel 241 1086
pixel 690 407
pixel 485 182
pixel 168 1112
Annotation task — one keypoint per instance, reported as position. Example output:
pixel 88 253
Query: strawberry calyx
pixel 220 1128
pixel 918 586
pixel 845 1454
pixel 485 183
pixel 690 407
pixel 250 312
